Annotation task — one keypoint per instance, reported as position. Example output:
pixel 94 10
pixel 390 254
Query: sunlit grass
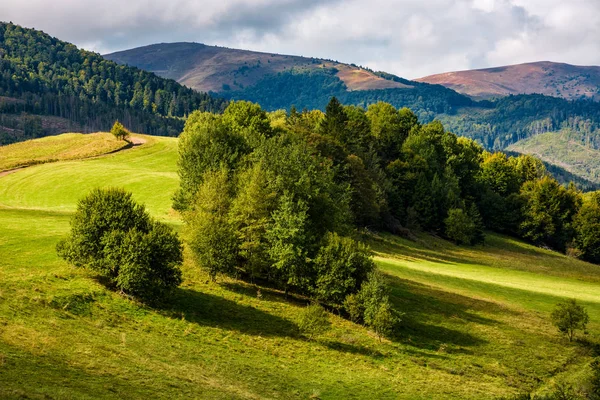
pixel 476 323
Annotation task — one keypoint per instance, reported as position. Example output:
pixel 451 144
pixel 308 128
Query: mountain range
pixel 48 86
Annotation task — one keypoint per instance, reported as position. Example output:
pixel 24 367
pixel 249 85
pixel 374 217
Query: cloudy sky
pixel 411 38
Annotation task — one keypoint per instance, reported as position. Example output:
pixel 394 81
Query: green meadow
pixel 475 325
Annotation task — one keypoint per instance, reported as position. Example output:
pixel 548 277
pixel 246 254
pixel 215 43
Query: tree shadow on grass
pixel 351 348
pixel 215 311
pixel 267 293
pixel 427 308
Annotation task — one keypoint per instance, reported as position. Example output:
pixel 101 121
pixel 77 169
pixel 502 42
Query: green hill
pixel 476 323
pixel 575 152
pixel 42 76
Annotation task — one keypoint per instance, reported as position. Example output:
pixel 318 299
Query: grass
pixel 476 323
pixel 148 171
pixel 68 146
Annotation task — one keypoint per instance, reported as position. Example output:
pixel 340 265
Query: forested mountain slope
pixel 43 76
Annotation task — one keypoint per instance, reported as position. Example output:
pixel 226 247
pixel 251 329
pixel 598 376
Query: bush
pixel 384 319
pixel 342 266
pixel 371 305
pixel 460 227
pixel 116 237
pixel 119 131
pixel 569 317
pixel 313 321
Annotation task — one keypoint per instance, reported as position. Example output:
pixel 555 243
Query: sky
pixel 410 38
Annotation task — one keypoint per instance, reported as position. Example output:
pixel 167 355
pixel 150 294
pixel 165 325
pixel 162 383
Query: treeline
pixel 51 77
pixel 313 89
pixel 496 124
pixel 276 197
pixel 513 118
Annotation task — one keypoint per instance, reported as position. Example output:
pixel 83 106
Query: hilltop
pixel 571 82
pixel 220 69
pixel 476 324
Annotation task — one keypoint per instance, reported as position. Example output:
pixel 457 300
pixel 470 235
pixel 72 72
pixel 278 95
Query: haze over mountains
pixel 571 82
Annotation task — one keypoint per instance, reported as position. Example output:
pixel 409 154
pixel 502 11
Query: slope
pixel 216 69
pixel 42 75
pixel 570 82
pixel 476 323
pixel 567 149
pixel 67 146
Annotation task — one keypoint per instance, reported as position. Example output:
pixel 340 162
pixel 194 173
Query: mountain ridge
pixel 571 82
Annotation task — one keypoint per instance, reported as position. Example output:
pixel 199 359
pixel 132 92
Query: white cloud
pixel 410 38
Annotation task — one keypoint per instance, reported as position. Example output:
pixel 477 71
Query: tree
pixel 568 317
pixel 313 321
pixel 115 237
pixel 334 123
pixel 548 212
pixel 119 131
pixel 342 266
pixel 205 145
pixel 460 227
pixel 587 230
pixel 211 237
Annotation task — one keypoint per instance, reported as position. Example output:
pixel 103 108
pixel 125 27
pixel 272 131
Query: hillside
pixel 68 146
pixel 279 81
pixel 476 323
pixel 219 69
pixel 567 81
pixel 48 86
pixel 567 149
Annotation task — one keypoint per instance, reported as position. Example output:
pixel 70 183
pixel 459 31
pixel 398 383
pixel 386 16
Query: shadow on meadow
pixel 426 308
pixel 215 311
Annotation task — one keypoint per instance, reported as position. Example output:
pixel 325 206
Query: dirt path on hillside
pixel 134 142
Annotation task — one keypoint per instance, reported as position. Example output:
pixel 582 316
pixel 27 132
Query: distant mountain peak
pixel 568 81
pixel 217 69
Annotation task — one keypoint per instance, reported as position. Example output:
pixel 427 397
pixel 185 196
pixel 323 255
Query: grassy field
pixel 476 323
pixel 68 146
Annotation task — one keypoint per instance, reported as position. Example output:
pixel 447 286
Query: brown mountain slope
pixel 211 68
pixel 553 79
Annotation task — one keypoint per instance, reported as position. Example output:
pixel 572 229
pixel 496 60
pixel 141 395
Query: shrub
pixel 313 321
pixel 569 317
pixel 354 307
pixel 119 131
pixel 460 226
pixel 371 305
pixel 384 319
pixel 116 237
pixel 342 264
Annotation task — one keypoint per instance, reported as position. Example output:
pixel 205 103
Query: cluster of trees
pixel 52 77
pixel 302 176
pixel 263 203
pixel 313 89
pixel 496 124
pixel 116 238
pixel 510 119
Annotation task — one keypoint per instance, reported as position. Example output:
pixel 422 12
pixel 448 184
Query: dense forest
pixel 313 89
pixel 278 196
pixel 45 76
pixel 495 124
